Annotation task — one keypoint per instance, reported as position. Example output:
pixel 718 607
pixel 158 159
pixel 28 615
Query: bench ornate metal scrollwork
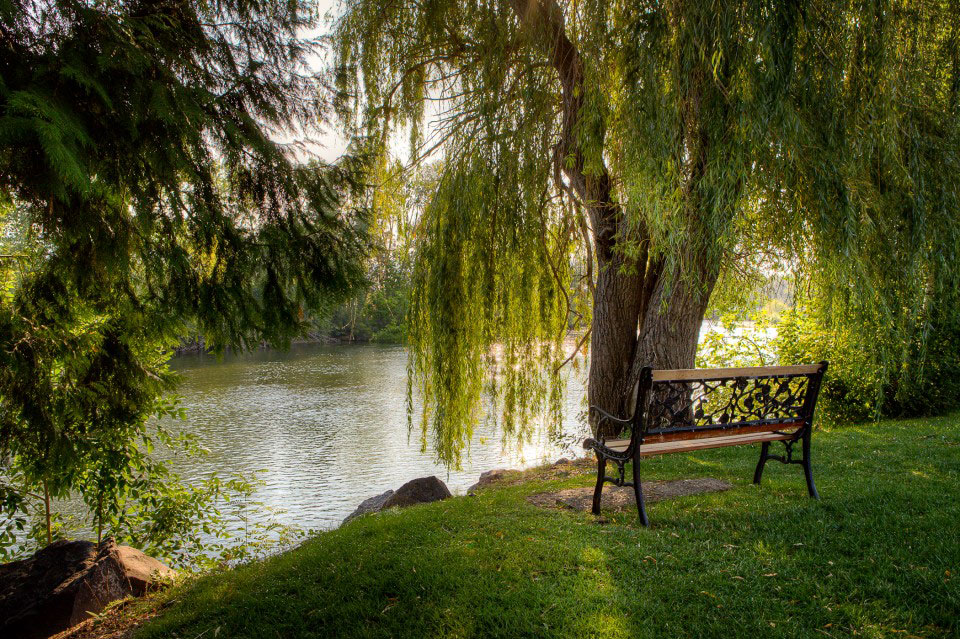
pixel 694 409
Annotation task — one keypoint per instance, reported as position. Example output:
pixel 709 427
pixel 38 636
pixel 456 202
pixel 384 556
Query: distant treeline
pixel 377 314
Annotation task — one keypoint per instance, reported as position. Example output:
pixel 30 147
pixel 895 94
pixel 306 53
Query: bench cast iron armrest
pixel 604 415
pixel 598 444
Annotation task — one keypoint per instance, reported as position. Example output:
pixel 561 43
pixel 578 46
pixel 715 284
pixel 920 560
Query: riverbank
pixel 878 556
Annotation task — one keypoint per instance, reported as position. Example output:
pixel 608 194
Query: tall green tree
pixel 671 143
pixel 140 153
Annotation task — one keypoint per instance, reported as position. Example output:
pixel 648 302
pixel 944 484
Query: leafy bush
pixel 857 386
pixel 190 525
pixel 851 389
pixel 202 525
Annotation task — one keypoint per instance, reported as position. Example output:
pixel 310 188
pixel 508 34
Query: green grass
pixel 878 556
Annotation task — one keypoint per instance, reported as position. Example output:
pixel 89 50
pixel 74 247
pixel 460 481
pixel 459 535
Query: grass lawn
pixel 878 556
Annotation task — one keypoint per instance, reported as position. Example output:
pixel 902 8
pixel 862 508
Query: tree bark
pixel 616 307
pixel 670 331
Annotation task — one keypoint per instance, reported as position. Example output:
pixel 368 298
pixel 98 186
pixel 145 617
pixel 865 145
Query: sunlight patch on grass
pixel 592 556
pixel 607 625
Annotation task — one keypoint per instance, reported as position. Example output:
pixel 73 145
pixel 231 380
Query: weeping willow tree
pixel 668 146
pixel 872 218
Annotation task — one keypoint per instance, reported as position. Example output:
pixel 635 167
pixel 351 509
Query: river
pixel 327 426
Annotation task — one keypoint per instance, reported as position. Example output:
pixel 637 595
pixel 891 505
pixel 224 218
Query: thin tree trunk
pixel 46 509
pixel 100 518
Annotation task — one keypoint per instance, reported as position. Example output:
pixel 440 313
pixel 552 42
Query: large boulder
pixel 69 581
pixel 416 491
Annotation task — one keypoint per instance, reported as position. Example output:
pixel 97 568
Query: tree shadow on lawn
pixel 725 565
pixel 877 556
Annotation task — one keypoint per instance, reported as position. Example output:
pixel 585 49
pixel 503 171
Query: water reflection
pixel 328 426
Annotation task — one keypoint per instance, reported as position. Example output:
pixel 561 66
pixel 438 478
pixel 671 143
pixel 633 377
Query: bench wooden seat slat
pixel 682 374
pixel 711 442
pixel 686 410
pixel 707 433
pixel 646 450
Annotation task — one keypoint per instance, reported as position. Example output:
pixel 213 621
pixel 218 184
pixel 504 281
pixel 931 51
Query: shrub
pixel 858 385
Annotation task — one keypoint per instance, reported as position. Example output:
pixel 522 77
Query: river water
pixel 327 426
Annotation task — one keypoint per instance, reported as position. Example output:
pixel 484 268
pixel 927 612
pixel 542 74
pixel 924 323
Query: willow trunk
pixel 642 320
pixel 640 317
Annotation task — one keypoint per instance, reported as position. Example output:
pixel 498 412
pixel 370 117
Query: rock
pixel 418 491
pixel 69 581
pixel 492 475
pixel 371 505
pixel 141 571
pixel 104 582
pixel 118 572
pixel 489 477
pixel 37 594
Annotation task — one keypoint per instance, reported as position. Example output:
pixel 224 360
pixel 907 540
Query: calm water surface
pixel 327 425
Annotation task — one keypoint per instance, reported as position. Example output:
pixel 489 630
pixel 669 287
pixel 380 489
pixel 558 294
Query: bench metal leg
pixel 638 492
pixel 807 470
pixel 764 451
pixel 597 492
pixel 788 459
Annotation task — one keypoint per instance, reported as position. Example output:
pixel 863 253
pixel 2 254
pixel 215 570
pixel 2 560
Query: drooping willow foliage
pixel 671 146
pixel 486 299
pixel 492 248
pixel 863 182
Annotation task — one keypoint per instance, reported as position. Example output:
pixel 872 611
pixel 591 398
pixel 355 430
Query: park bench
pixel 679 411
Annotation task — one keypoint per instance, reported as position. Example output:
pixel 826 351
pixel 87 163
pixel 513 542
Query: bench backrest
pixel 692 403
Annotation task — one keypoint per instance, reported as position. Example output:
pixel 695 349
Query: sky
pixel 328 144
